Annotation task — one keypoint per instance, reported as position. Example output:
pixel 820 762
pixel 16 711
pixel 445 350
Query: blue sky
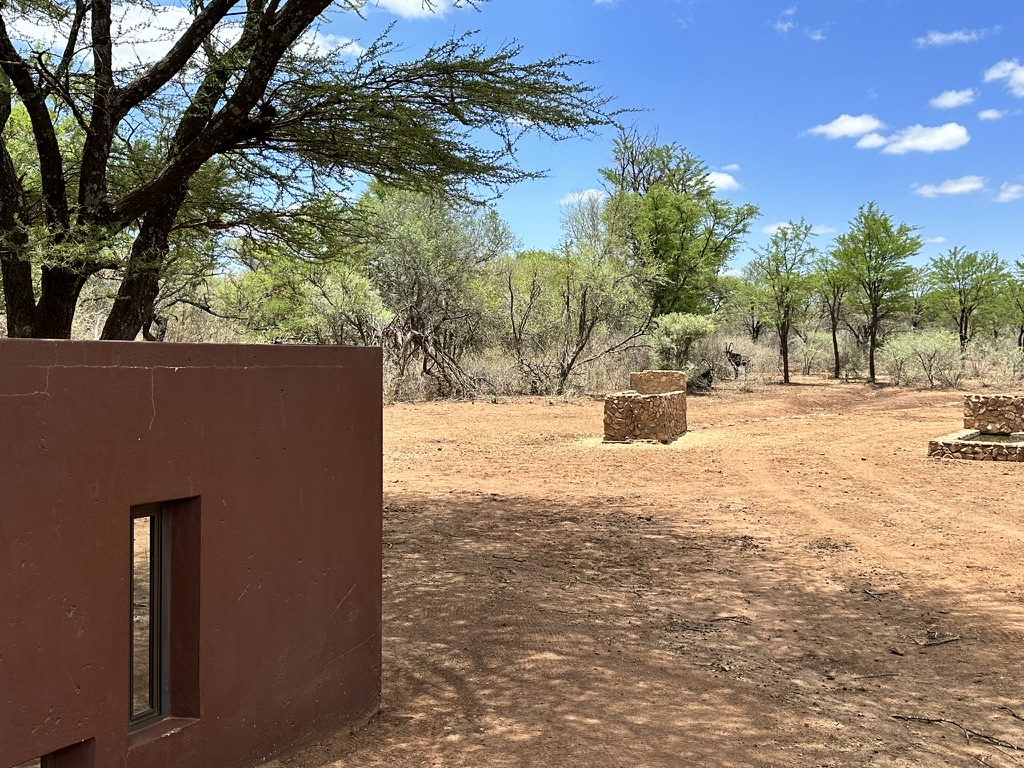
pixel 808 110
pixel 804 109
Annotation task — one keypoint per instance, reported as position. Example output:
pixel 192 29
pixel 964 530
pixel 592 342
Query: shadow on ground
pixel 522 633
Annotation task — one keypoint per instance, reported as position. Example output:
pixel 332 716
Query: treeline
pixel 638 279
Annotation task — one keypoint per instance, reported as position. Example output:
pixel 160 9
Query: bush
pixel 933 357
pixel 813 351
pixel 673 337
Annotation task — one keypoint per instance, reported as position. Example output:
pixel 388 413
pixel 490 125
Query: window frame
pixel 159 624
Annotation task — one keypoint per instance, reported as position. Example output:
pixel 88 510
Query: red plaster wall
pixel 278 451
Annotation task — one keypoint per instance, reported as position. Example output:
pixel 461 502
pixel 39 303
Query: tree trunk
pixel 784 349
pixel 58 298
pixel 133 305
pixel 872 344
pixel 15 268
pixel 837 370
pixel 965 330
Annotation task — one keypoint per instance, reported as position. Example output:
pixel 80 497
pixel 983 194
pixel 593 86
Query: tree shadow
pixel 521 632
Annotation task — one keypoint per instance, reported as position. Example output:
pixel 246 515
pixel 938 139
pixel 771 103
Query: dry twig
pixel 737 619
pixel 1011 713
pixel 883 674
pixel 969 733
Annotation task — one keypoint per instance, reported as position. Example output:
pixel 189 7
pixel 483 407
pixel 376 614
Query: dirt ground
pixel 792 583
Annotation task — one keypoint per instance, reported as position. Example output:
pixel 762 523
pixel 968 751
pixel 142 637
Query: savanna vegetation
pixel 253 185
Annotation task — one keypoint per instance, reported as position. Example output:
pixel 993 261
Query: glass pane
pixel 144 623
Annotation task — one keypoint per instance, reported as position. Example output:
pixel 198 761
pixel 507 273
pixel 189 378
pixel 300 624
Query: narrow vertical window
pixel 148 624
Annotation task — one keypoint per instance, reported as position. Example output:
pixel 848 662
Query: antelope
pixel 737 361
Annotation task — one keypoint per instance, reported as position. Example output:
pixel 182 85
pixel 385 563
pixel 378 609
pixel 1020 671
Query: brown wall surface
pixel 276 452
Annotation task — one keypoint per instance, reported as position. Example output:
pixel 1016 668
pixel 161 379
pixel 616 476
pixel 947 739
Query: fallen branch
pixel 934 641
pixel 737 619
pixel 883 674
pixel 943 641
pixel 969 733
pixel 1011 713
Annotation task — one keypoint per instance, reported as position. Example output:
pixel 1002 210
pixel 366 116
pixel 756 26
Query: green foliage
pixel 964 286
pixel 780 276
pixel 664 209
pixel 674 336
pixel 871 259
pixel 812 349
pixel 305 302
pixel 933 357
pixel 427 261
pixel 830 285
pixel 562 311
pixel 145 171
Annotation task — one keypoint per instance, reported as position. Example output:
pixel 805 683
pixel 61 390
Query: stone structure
pixel 994 414
pixel 972 444
pixel 992 427
pixel 657 382
pixel 654 409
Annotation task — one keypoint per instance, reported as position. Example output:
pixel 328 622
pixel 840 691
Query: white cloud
pixel 822 229
pixel 319 43
pixel 919 138
pixel 916 138
pixel 731 167
pixel 992 114
pixel 771 229
pixel 141 34
pixel 962 186
pixel 785 23
pixel 872 141
pixel 846 126
pixel 1010 192
pixel 937 240
pixel 413 9
pixel 1010 71
pixel 722 182
pixel 953 99
pixel 587 195
pixel 951 38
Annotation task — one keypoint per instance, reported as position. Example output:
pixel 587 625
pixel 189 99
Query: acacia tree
pixel 831 286
pixel 426 264
pixel 872 257
pixel 114 178
pixel 1012 301
pixel 664 207
pixel 780 274
pixel 963 285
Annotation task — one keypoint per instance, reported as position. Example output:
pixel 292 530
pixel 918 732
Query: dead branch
pixel 943 641
pixel 737 619
pixel 934 641
pixel 969 733
pixel 1011 713
pixel 869 677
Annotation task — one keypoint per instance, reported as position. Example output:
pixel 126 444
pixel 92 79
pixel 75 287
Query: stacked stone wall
pixel 973 445
pixel 632 416
pixel 657 382
pixel 994 414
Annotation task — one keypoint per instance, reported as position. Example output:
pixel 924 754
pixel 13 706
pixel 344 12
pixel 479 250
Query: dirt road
pixel 792 583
